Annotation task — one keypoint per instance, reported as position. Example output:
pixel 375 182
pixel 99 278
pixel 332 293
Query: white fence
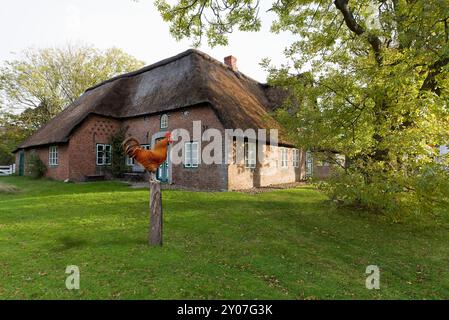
pixel 7 170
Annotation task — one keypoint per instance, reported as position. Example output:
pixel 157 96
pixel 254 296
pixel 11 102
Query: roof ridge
pixel 169 60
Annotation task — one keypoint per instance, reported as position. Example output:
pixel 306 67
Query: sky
pixel 134 26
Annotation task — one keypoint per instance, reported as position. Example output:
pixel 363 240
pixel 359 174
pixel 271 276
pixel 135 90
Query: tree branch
pixel 352 24
pixel 435 69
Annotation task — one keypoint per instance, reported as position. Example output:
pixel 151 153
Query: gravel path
pixel 139 185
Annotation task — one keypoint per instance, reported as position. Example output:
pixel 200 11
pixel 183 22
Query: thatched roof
pixel 187 79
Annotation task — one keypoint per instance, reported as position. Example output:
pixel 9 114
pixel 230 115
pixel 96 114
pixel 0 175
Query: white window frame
pixel 284 158
pixel 164 121
pixel 129 161
pixel 53 155
pixel 104 159
pixel 191 157
pixel 250 154
pixel 296 158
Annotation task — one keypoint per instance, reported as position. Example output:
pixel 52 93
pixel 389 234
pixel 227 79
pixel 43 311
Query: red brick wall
pixel 58 172
pixel 205 177
pixel 77 159
pixel 82 146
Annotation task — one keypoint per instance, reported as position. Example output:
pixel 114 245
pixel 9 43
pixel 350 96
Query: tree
pixel 372 77
pixel 41 84
pixel 118 165
pixel 46 80
pixel 11 134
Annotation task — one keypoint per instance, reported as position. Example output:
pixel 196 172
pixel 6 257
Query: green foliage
pixel 44 81
pixel 213 19
pixel 424 194
pixel 118 163
pixel 11 134
pixel 36 168
pixel 370 80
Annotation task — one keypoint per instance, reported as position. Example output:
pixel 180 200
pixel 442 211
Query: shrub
pixel 118 162
pixel 396 195
pixel 36 168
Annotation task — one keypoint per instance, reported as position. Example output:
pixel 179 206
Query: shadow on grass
pixel 74 242
pixel 68 242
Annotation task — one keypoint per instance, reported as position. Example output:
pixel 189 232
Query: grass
pixel 288 244
pixel 7 188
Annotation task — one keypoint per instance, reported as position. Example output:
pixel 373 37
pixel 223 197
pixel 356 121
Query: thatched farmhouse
pixel 167 95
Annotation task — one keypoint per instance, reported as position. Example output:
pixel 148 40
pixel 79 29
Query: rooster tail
pixel 130 145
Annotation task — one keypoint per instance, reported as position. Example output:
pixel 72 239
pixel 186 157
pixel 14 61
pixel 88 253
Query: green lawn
pixel 289 244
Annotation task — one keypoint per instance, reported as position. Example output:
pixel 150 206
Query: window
pixel 250 155
pixel 295 158
pixel 284 157
pixel 129 161
pixel 103 154
pixel 191 155
pixel 164 121
pixel 53 156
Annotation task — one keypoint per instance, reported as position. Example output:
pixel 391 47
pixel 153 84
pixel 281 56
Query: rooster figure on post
pixel 149 159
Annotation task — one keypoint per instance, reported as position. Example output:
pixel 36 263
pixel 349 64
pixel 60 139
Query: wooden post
pixel 155 236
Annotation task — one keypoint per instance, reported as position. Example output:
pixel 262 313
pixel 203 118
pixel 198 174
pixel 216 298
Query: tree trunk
pixel 155 236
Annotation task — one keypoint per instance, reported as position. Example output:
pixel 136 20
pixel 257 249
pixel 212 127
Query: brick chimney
pixel 231 61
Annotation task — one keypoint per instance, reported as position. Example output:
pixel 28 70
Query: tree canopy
pixel 369 79
pixel 42 82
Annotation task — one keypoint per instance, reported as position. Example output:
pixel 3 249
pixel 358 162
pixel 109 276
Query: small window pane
pixel 100 154
pixel 164 121
pixel 108 154
pixel 191 154
pixel 284 157
pixel 296 158
pixel 250 154
pixel 194 154
pixel 53 156
pixel 187 154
